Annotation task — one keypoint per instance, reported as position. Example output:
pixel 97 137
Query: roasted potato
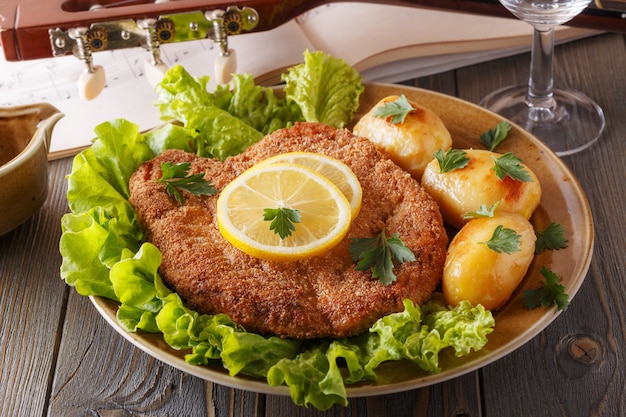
pixel 473 271
pixel 464 190
pixel 411 143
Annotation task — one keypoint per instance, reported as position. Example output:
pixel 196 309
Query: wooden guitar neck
pixel 32 29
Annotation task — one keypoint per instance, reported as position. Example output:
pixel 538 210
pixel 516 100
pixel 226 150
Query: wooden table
pixel 60 358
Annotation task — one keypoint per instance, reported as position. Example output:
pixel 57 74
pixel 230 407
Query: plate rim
pixel 261 386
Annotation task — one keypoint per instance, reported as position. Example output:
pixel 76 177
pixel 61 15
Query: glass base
pixel 573 123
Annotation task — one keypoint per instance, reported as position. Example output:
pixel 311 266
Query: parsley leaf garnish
pixel 552 238
pixel 550 292
pixel 451 159
pixel 378 253
pixel 494 137
pixel 510 165
pixel 397 110
pixel 504 240
pixel 176 178
pixel 483 211
pixel 283 220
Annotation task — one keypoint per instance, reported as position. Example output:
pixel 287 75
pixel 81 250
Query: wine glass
pixel 566 120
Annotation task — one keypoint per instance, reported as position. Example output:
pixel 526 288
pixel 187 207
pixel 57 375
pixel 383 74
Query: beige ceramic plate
pixel 563 202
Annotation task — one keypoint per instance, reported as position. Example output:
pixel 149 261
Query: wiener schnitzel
pixel 323 296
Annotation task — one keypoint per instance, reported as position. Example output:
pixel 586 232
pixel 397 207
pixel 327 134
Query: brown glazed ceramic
pixel 25 133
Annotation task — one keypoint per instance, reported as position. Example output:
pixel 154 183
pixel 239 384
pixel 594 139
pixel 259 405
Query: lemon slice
pixel 325 213
pixel 336 171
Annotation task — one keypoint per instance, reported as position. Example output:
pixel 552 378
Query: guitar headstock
pixel 32 29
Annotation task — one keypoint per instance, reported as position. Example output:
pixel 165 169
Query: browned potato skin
pixel 474 272
pixel 464 190
pixel 410 144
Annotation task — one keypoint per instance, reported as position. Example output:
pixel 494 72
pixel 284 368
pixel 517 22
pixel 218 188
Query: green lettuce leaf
pixel 417 334
pixel 89 186
pixel 253 354
pixel 303 375
pixel 120 158
pixel 214 132
pixel 217 133
pixel 178 87
pixel 227 121
pixel 103 223
pixel 169 136
pixel 327 89
pixel 260 107
pixel 463 328
pixel 83 240
pixel 133 280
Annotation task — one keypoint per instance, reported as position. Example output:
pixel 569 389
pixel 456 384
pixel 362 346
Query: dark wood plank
pixel 459 397
pixel 284 406
pixel 32 301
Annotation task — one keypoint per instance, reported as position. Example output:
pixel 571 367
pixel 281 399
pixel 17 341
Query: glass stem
pixel 541 80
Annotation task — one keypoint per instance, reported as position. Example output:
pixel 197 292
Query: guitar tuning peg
pixel 157 32
pixel 226 63
pixel 92 81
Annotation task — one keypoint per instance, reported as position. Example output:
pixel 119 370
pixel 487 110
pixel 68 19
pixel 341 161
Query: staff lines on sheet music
pixel 22 82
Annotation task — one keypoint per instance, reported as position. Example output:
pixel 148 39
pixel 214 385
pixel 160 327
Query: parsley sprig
pixel 483 211
pixel 552 238
pixel 493 137
pixel 397 110
pixel 510 165
pixel 176 177
pixel 550 292
pixel 504 240
pixel 451 159
pixel 282 220
pixel 378 253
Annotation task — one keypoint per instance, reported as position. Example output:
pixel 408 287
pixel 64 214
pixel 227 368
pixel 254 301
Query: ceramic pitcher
pixel 25 134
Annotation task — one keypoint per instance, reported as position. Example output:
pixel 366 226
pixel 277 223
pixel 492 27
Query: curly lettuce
pixel 327 89
pixel 227 121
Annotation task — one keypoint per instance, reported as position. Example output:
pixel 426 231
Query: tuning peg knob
pixel 225 67
pixel 91 82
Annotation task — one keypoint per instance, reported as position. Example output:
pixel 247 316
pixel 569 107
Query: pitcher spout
pixel 49 116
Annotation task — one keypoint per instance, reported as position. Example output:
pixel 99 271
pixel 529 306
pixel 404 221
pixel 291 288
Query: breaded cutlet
pixel 323 296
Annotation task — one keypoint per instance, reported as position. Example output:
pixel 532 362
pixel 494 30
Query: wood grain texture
pixel 32 303
pixel 60 358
